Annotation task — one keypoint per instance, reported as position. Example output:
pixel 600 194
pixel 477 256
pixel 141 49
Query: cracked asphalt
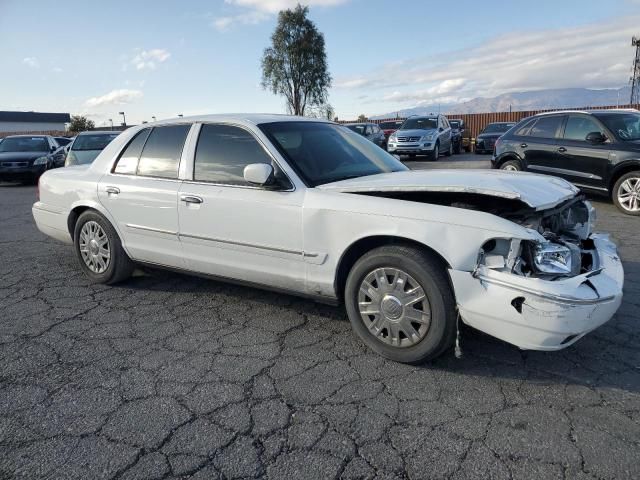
pixel 170 376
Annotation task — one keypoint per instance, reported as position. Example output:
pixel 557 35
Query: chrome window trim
pixel 192 159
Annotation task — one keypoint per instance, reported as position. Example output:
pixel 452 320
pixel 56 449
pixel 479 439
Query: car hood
pixel 490 135
pixel 413 133
pixel 5 156
pixel 537 191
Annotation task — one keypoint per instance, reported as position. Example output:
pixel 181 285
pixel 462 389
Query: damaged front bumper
pixel 538 314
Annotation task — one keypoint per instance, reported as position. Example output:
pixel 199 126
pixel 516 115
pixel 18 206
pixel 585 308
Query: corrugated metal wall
pixel 477 121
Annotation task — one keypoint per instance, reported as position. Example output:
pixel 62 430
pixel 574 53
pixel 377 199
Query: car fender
pixel 622 168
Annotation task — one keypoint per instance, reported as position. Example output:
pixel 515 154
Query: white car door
pixel 141 194
pixel 231 229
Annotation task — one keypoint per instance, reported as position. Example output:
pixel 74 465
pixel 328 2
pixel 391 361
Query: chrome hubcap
pixel 510 168
pixel 629 194
pixel 394 307
pixel 94 247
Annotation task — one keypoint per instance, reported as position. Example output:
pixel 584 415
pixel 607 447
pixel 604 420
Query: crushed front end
pixel 544 294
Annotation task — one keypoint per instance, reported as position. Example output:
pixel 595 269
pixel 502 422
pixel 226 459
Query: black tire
pixel 467 149
pixel 617 190
pixel 436 152
pixel 119 267
pixel 412 156
pixel 457 149
pixel 431 276
pixel 513 165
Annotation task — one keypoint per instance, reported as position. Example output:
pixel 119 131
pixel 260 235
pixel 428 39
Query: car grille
pixel 15 164
pixel 408 139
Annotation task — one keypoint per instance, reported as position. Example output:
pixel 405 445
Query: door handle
pixel 191 199
pixel 523 145
pixel 562 149
pixel 112 190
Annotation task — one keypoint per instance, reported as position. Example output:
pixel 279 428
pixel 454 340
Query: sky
pixel 167 57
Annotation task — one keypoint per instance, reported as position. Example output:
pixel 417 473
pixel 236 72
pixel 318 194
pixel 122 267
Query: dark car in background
pixel 87 146
pixel 25 157
pixel 371 131
pixel 486 139
pixel 389 127
pixel 459 137
pixel 599 151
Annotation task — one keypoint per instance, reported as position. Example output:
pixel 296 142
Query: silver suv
pixel 422 135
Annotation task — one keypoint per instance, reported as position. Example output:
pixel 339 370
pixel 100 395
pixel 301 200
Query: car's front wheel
pixel 99 250
pixel 626 193
pixel 449 152
pixel 436 152
pixel 400 304
pixel 511 166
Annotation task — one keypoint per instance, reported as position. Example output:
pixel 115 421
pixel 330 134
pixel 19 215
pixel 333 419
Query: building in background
pixel 16 122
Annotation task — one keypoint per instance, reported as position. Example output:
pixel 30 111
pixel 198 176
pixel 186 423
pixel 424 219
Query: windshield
pixel 454 123
pixel 93 142
pixel 24 144
pixel 357 128
pixel 323 152
pixel 497 127
pixel 390 125
pixel 626 126
pixel 420 124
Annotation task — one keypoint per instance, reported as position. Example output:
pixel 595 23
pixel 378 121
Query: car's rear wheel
pixel 511 166
pixel 449 152
pixel 626 193
pixel 458 149
pixel 99 250
pixel 400 304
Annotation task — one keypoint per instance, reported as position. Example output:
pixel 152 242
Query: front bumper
pixel 402 147
pixel 537 314
pixel 15 170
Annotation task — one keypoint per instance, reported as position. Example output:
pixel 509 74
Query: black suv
pixel 599 151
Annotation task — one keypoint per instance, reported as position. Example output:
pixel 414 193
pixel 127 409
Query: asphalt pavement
pixel 172 376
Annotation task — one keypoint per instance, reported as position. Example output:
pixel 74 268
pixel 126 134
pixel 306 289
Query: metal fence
pixel 475 122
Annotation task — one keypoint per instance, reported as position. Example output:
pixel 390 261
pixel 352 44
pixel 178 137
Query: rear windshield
pixel 24 144
pixel 93 142
pixel 420 124
pixel 454 123
pixel 357 128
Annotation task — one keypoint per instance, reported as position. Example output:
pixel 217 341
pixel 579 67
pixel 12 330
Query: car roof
pixel 99 132
pixel 28 136
pixel 358 123
pixel 242 118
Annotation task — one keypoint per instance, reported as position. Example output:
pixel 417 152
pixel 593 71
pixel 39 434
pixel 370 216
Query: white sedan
pixel 309 207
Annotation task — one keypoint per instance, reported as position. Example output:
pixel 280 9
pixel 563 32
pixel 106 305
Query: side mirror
pixel 52 148
pixel 258 173
pixel 596 137
pixel 441 129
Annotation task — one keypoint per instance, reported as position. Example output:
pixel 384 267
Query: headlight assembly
pixel 428 136
pixel 552 258
pixel 41 161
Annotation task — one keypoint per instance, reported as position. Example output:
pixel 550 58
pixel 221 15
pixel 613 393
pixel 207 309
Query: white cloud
pixel 114 97
pixel 261 10
pixel 31 62
pixel 149 59
pixel 595 55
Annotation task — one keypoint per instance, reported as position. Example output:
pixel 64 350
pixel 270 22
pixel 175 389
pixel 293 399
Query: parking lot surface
pixel 170 376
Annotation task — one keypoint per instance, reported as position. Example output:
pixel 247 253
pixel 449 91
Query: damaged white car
pixel 309 207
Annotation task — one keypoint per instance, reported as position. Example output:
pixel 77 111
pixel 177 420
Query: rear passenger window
pixel 161 154
pixel 222 153
pixel 524 128
pixel 546 127
pixel 578 127
pixel 128 161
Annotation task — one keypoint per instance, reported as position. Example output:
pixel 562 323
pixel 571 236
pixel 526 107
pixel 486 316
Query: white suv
pixel 422 135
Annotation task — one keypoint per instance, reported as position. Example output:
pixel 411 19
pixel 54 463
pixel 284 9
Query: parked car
pixel 87 145
pixel 460 140
pixel 389 127
pixel 598 151
pixel 486 139
pixel 308 207
pixel 370 131
pixel 422 135
pixel 25 157
pixel 63 141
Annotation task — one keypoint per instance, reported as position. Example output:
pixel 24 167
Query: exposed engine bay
pixel 567 250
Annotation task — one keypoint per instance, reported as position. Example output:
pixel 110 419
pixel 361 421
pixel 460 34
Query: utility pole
pixel 635 77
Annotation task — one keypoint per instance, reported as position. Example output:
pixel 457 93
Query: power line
pixel 635 77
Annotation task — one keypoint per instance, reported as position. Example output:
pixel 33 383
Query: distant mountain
pixel 522 101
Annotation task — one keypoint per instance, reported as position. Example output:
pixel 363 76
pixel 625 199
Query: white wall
pixel 30 127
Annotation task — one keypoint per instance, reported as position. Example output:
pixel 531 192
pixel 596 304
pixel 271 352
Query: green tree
pixel 362 117
pixel 80 124
pixel 295 65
